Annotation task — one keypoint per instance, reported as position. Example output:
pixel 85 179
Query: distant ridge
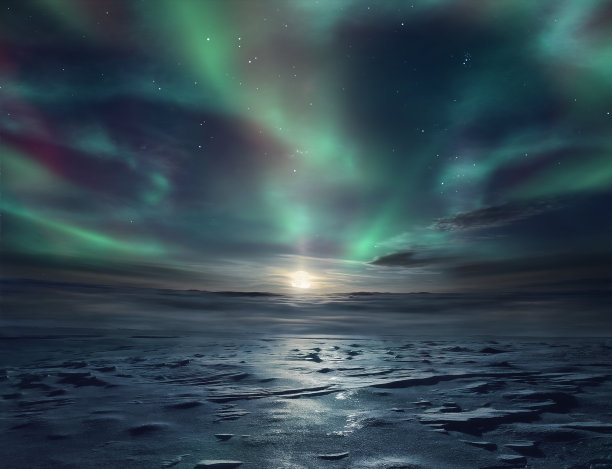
pixel 597 287
pixel 245 293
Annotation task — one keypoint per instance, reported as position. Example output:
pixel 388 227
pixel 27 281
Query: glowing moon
pixel 300 279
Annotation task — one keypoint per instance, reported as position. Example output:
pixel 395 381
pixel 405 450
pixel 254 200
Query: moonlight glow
pixel 301 279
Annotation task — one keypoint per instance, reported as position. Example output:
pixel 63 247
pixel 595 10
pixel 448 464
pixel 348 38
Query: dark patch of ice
pixel 146 428
pixel 334 456
pixel 217 464
pixel 477 421
pixel 482 444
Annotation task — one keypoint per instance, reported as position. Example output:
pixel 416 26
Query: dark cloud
pixel 545 272
pixel 562 272
pixel 89 270
pixel 410 259
pixel 490 217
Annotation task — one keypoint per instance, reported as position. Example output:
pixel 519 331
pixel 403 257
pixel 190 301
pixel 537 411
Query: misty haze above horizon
pixel 32 308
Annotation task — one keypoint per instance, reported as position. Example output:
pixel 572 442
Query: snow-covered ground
pixel 139 388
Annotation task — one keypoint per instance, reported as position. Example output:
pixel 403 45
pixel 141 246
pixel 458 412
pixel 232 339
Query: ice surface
pixel 162 392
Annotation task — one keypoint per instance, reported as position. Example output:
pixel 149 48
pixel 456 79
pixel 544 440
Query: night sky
pixel 433 145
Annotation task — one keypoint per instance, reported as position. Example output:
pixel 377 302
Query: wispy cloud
pixel 494 216
pixel 412 258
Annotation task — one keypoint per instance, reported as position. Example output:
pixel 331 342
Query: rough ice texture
pixel 145 391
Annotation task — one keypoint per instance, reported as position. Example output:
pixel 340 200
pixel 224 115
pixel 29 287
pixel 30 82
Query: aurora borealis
pixel 437 145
